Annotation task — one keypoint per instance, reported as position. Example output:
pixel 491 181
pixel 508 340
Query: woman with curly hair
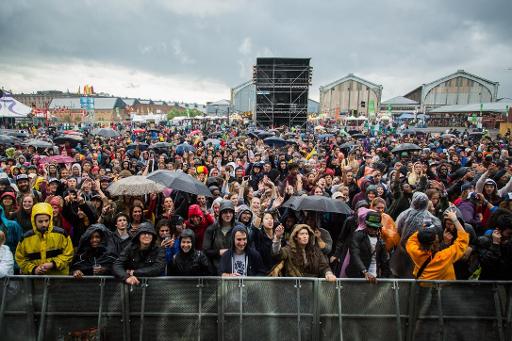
pixel 302 257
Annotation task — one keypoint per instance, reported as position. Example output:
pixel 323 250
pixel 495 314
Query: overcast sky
pixel 195 51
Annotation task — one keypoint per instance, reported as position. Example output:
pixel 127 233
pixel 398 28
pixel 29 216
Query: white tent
pixel 9 107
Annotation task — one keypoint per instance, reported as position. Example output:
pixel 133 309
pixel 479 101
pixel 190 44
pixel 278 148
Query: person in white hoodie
pixel 6 258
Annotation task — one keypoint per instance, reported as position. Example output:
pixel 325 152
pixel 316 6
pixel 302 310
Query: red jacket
pixel 206 220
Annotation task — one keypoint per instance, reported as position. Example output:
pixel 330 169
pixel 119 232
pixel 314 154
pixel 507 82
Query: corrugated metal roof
pixel 487 107
pixel 461 73
pixel 129 101
pixel 400 100
pixel 353 77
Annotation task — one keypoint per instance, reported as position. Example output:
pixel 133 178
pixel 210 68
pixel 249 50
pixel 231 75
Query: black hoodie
pixel 146 263
pixel 192 263
pixel 253 263
pixel 86 256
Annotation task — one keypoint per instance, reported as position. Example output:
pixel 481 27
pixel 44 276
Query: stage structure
pixel 282 86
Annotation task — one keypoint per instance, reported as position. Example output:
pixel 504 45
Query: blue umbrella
pixel 184 148
pixel 325 136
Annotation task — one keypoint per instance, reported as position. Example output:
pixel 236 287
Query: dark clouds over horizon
pixel 210 46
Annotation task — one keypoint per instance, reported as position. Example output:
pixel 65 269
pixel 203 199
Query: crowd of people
pixel 424 206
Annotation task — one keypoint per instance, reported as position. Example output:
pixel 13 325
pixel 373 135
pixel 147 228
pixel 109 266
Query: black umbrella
pixel 161 145
pixel 317 203
pixel 179 181
pixel 105 132
pixel 408 132
pixel 276 141
pixel 140 146
pixel 38 143
pixel 405 147
pixel 265 134
pixel 359 136
pixel 73 140
pixel 353 132
pixel 255 133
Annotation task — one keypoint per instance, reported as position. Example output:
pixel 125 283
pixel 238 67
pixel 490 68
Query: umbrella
pixel 317 203
pixel 140 146
pixel 71 139
pixel 195 132
pixel 105 132
pixel 264 135
pixel 405 147
pixel 276 141
pixel 6 140
pixel 353 132
pixel 57 159
pixel 359 136
pixel 476 134
pixel 179 181
pixel 215 134
pixel 255 133
pixel 408 132
pixel 134 185
pixel 38 143
pixel 184 148
pixel 448 136
pixel 347 145
pixel 161 145
pixel 214 142
pixel 325 136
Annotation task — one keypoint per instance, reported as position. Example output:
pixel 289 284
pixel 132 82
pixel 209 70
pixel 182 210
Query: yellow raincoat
pixel 37 248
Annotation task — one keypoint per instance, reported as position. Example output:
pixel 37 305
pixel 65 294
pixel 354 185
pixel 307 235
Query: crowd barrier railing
pixel 253 308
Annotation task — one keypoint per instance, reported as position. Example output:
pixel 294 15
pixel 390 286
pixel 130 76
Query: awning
pixel 11 108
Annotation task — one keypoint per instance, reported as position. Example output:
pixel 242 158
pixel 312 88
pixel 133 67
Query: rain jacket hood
pixel 296 229
pixel 144 227
pixel 238 228
pixel 194 211
pixel 242 209
pixel 188 233
pixel 42 208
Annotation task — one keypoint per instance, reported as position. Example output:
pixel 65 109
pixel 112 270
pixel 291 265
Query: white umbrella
pixel 134 185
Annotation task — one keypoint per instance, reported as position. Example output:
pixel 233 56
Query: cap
pixel 427 236
pixel 490 182
pixel 53 180
pixel 466 186
pixel 373 219
pixel 361 203
pixel 22 177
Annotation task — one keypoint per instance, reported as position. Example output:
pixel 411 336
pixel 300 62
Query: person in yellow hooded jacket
pixel 46 249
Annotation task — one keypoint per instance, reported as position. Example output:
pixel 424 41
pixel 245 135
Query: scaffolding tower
pixel 282 86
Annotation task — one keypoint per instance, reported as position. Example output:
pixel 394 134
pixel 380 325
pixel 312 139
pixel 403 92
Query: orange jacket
pixel 441 266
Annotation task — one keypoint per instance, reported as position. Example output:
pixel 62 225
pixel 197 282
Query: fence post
pixel 298 286
pixel 412 309
pixel 509 312
pixel 339 286
pixel 396 289
pixel 144 285
pixel 125 307
pixel 241 305
pixel 440 311
pixel 316 309
pixel 499 316
pixel 100 309
pixel 44 306
pixel 200 286
pixel 220 309
pixel 2 305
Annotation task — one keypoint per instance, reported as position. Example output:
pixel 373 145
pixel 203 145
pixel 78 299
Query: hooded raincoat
pixel 191 263
pixel 145 263
pixel 39 247
pixel 87 257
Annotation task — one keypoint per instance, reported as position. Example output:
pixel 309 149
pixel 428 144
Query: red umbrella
pixel 57 159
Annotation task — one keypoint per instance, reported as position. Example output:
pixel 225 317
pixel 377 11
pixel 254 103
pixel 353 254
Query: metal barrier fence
pixel 211 308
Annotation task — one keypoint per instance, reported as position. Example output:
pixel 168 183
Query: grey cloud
pixel 416 41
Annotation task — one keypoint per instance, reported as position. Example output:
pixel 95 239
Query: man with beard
pixel 23 184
